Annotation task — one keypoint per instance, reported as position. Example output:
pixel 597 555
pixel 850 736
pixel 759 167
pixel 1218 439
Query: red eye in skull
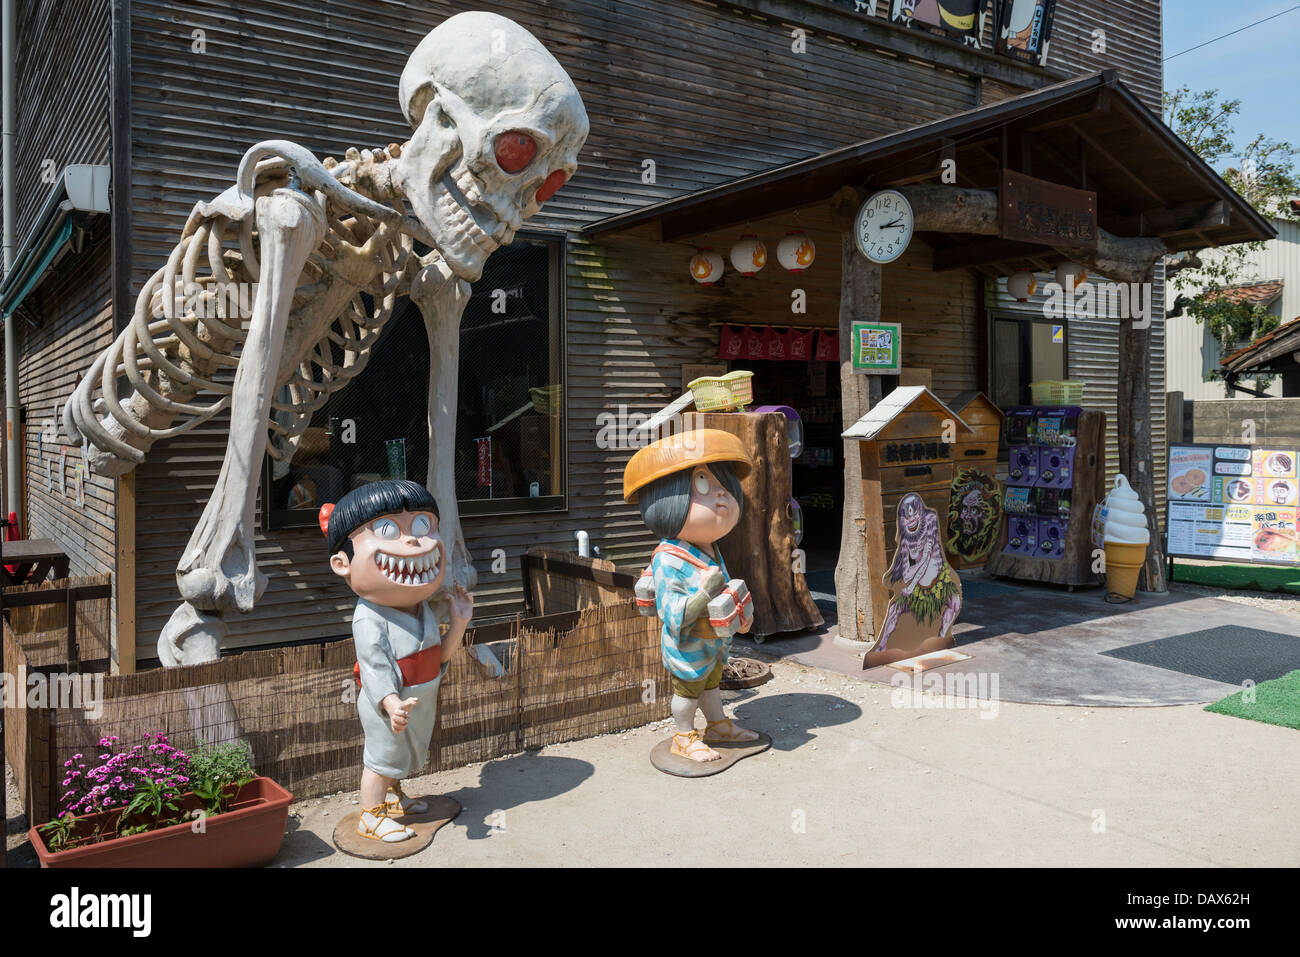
pixel 515 150
pixel 551 186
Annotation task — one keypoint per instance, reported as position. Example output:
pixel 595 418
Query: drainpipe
pixel 13 484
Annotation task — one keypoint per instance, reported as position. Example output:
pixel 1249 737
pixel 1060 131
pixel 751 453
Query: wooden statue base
pixel 662 757
pixel 442 810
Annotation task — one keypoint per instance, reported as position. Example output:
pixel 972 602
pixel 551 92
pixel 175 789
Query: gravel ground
pixel 1283 603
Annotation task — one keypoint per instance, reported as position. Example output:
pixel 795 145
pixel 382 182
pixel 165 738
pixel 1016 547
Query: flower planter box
pixel 248 834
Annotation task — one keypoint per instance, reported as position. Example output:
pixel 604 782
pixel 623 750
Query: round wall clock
pixel 884 226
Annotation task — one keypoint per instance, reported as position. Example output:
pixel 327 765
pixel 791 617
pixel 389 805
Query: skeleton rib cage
pixel 187 326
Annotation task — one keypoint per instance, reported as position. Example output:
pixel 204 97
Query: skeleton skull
pixel 498 126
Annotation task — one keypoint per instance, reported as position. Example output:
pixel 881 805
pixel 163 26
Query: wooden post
pixel 122 655
pixel 1133 425
pixel 860 285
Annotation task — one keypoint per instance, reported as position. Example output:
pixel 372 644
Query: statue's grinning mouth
pixel 460 214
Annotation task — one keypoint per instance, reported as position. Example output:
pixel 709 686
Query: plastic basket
pixel 722 393
pixel 1056 392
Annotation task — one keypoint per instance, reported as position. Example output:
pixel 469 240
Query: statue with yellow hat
pixel 687 487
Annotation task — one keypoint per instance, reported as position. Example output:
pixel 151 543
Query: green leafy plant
pixel 1266 176
pixel 58 833
pixel 151 807
pixel 218 771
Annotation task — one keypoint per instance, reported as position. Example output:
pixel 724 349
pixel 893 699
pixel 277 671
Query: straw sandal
pixel 397 803
pixel 384 829
pixel 734 734
pixel 689 745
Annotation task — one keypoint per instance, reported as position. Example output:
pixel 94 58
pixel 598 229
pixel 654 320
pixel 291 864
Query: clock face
pixel 884 226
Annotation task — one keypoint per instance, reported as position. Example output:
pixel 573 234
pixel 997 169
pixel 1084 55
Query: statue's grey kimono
pixel 383 635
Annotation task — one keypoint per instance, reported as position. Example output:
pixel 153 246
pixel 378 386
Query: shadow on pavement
pixel 790 719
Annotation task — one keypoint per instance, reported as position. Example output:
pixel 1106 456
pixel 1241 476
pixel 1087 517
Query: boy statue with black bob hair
pixel 688 489
pixel 383 539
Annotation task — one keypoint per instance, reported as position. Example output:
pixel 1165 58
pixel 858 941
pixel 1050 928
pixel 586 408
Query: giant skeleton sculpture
pixel 498 125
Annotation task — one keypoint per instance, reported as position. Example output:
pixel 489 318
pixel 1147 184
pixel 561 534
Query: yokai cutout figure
pixel 688 489
pixel 930 593
pixel 383 539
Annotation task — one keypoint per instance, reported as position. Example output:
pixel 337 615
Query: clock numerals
pixel 884 226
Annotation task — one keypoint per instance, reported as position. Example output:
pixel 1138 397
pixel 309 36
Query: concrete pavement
pixel 865 774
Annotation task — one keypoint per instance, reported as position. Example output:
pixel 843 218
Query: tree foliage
pixel 1266 177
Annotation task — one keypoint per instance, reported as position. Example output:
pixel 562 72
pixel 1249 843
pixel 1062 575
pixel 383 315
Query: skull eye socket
pixel 515 150
pixel 551 186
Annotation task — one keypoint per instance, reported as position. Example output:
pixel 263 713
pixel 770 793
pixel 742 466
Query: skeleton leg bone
pixel 441 298
pixel 218 569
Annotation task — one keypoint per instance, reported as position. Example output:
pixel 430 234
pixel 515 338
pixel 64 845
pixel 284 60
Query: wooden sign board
pixel 975 497
pixel 1036 211
pixel 906 445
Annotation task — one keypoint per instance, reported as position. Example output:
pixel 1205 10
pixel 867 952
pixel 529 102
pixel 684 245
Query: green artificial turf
pixel 1276 702
pixel 1253 577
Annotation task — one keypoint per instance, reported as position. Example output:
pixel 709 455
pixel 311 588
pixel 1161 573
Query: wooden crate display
pixel 974 509
pixel 907 443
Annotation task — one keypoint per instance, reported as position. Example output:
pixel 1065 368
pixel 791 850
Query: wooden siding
pixel 75 325
pixel 706 92
pixel 61 67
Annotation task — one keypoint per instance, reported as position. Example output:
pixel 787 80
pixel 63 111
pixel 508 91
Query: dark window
pixel 1025 351
pixel 510 451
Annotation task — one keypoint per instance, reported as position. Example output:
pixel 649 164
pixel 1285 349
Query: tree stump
pixel 761 547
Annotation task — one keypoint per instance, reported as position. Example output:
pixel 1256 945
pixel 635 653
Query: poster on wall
pixel 1233 503
pixel 1025 28
pixel 962 20
pixel 877 347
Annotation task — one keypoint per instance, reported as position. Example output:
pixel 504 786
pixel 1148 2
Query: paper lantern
pixel 1022 285
pixel 749 255
pixel 706 267
pixel 1071 274
pixel 796 252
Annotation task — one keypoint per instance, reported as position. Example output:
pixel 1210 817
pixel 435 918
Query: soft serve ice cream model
pixel 1125 537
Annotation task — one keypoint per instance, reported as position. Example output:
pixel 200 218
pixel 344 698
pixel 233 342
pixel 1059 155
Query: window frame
pixel 557 243
pixel 1005 315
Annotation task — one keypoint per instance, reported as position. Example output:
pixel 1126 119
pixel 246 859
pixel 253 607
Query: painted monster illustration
pixel 974 513
pixel 931 589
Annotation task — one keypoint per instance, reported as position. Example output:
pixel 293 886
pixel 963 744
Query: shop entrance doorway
pixel 813 390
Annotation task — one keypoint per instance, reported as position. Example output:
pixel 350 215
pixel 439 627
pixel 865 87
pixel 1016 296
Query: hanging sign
pixel 828 346
pixel 1024 29
pixel 483 447
pixel 962 20
pixel 731 344
pixel 877 348
pixel 1036 211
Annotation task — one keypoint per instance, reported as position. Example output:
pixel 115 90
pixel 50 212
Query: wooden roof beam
pixel 1119 164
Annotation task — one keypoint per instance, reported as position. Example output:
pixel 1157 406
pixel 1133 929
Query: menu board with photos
pixel 1234 503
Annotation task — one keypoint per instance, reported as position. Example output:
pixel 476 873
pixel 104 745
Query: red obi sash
pixel 417 669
